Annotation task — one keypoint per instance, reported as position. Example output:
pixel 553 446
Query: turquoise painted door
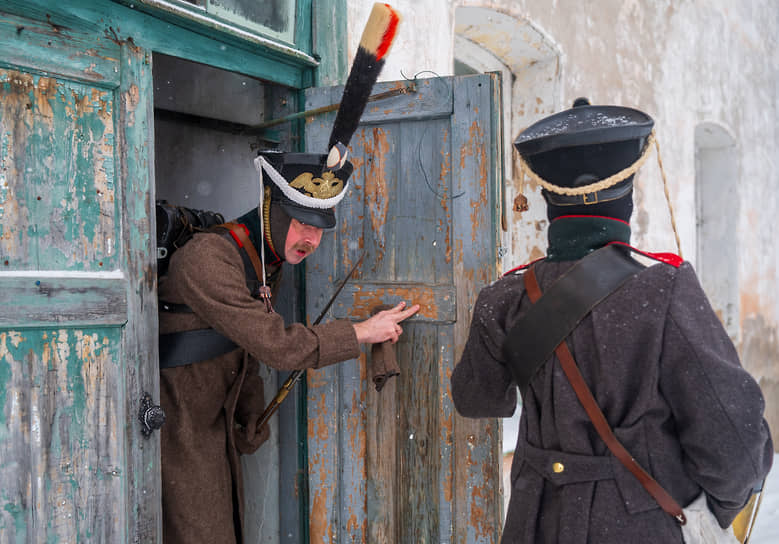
pixel 77 292
pixel 399 465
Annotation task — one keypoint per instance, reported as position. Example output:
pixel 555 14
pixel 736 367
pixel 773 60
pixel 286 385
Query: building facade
pixel 109 105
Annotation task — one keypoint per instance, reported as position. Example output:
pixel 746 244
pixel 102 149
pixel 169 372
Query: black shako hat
pixel 309 185
pixel 304 186
pixel 587 154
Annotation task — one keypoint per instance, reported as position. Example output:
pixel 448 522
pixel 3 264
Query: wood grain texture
pixel 64 299
pixel 399 465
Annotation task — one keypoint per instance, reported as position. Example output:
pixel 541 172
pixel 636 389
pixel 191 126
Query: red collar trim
pixel 276 255
pixel 523 266
pixel 240 244
pixel 664 257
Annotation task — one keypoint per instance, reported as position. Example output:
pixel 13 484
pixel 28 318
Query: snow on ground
pixel 766 530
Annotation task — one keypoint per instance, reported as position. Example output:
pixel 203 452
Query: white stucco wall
pixel 423 42
pixel 683 62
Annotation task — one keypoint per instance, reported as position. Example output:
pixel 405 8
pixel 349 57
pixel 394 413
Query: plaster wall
pixel 685 62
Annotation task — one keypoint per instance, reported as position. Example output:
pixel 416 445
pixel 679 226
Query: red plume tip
pixel 380 30
pixel 389 33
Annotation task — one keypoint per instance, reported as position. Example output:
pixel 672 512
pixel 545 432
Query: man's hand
pixel 384 325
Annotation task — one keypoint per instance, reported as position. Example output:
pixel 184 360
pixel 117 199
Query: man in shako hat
pixel 639 345
pixel 216 325
pixel 210 388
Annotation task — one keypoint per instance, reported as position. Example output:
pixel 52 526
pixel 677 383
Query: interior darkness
pixel 206 134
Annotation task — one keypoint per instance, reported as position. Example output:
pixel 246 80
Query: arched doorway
pixel 486 40
pixel 717 210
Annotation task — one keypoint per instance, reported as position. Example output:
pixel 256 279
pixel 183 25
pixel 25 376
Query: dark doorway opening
pixel 206 135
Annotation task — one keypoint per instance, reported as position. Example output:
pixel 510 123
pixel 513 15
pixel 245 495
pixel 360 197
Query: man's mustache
pixel 304 246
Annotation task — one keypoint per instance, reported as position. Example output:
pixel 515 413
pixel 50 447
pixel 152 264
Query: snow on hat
pixel 587 154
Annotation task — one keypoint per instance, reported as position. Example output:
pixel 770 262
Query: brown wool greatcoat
pixel 667 378
pixel 212 407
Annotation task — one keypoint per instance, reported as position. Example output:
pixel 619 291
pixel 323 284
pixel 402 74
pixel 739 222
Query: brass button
pixel 558 467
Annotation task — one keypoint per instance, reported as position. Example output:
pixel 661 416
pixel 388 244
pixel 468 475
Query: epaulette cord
pixel 664 257
pixel 522 267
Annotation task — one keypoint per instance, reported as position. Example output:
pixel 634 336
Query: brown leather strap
pixel 239 231
pixel 242 237
pixel 583 393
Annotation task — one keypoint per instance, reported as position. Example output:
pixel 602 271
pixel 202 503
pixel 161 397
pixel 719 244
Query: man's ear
pixel 279 227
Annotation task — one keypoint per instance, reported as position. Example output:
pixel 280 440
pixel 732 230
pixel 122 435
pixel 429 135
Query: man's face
pixel 301 241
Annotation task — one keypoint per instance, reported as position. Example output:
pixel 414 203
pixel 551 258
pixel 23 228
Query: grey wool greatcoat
pixel 212 407
pixel 667 378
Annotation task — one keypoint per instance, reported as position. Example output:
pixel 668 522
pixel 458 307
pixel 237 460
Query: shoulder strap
pixel 583 393
pixel 241 237
pixel 563 306
pixel 236 233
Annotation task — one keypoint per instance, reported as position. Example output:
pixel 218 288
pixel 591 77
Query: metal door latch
pixel 150 415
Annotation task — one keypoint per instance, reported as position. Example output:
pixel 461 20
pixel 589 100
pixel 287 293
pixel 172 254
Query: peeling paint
pixel 365 301
pixel 444 177
pixel 132 98
pixel 15 339
pixel 58 201
pixel 477 153
pixel 376 194
pixel 60 436
pixel 391 461
pixel 321 531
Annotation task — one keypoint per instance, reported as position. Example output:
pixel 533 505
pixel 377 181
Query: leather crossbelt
pixel 563 306
pixel 587 400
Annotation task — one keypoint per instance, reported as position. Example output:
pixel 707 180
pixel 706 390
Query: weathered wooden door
pixel 399 466
pixel 77 293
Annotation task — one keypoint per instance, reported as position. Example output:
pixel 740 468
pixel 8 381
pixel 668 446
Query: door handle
pixel 151 415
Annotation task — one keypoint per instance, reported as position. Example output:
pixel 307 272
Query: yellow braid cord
pixel 610 181
pixel 668 199
pixel 592 187
pixel 266 217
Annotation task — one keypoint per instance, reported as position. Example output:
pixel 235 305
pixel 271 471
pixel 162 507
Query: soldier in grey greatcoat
pixel 213 403
pixel 654 354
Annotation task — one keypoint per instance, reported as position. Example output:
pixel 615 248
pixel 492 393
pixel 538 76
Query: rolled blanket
pixel 383 364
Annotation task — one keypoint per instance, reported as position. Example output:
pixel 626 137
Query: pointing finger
pixel 408 313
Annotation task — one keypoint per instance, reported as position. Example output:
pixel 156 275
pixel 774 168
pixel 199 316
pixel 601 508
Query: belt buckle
pixel 591 198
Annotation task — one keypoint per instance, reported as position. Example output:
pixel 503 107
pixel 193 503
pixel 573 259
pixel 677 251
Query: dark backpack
pixel 176 225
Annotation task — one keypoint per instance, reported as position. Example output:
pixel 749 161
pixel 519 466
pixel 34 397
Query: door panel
pixel 62 460
pixel 62 217
pixel 398 465
pixel 76 287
